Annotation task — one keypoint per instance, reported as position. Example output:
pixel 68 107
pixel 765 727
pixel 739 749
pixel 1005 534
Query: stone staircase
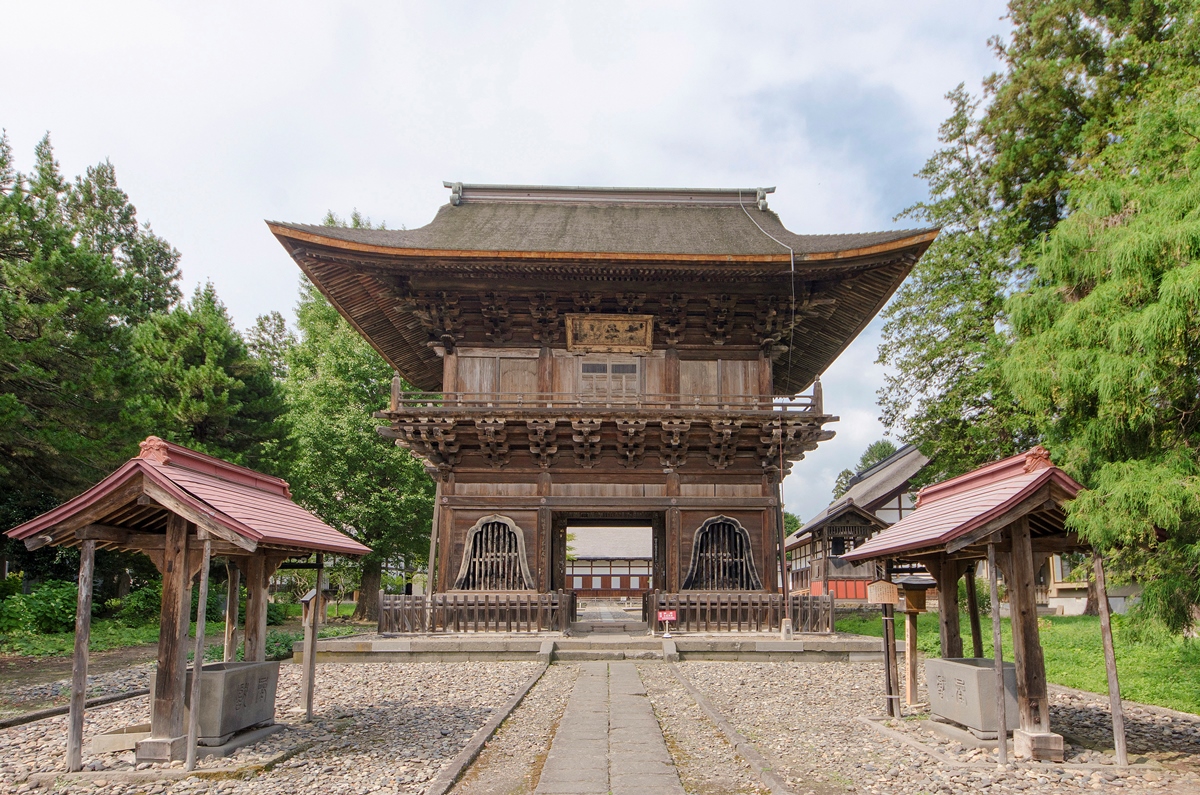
pixel 609 646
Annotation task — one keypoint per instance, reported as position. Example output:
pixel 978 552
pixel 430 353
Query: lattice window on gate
pixel 721 558
pixel 494 557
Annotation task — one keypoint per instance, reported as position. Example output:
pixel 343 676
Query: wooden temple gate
pixel 630 354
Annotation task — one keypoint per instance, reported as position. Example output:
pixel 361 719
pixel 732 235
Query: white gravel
pixel 385 728
pixel 802 717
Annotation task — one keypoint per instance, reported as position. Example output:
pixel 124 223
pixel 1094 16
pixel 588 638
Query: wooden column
pixel 973 612
pixel 1110 662
pixel 232 602
pixel 998 655
pixel 947 573
pixel 1035 739
pixel 79 663
pixel 434 528
pixel 671 373
pixel 166 739
pixel 766 380
pixel 315 616
pixel 910 657
pixel 449 372
pixel 545 374
pixel 674 537
pixel 198 655
pixel 256 609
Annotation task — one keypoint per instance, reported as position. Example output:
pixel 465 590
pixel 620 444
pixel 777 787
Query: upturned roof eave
pixel 284 232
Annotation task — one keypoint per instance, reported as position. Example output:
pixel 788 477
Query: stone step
pixel 609 642
pixel 608 627
pixel 576 655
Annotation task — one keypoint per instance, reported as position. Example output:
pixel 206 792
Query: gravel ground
pixel 384 728
pixel 707 763
pixel 511 762
pixel 802 717
pixel 21 698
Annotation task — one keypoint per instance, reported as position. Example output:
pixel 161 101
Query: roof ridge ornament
pixel 1037 458
pixel 154 449
pixel 456 193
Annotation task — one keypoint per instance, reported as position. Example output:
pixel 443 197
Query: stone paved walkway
pixel 609 740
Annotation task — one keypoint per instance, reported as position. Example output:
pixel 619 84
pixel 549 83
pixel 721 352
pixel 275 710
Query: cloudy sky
pixel 220 115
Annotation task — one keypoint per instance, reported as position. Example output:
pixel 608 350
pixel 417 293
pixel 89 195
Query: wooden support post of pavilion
pixel 193 734
pixel 1110 662
pixel 233 600
pixel 973 612
pixel 998 654
pixel 79 663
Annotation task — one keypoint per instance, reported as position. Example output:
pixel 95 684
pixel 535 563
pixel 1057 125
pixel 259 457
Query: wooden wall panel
pixel 697 490
pixel 518 376
pixel 697 378
pixel 496 489
pixel 655 378
pixel 477 374
pixel 737 490
pixel 564 373
pixel 597 490
pixel 738 377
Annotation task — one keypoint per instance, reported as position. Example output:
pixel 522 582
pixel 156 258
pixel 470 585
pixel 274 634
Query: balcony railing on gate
pixel 732 611
pixel 456 401
pixel 476 612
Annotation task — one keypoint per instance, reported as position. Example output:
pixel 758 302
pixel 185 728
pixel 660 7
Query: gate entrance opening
pixel 610 562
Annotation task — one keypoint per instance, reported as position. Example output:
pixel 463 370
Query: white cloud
pixel 219 115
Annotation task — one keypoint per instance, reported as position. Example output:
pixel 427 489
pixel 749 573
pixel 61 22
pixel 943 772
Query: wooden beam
pixel 198 655
pixel 233 599
pixel 947 573
pixel 998 656
pixel 256 609
pixel 122 495
pixel 166 705
pixel 315 614
pixel 79 662
pixel 973 612
pixel 169 501
pixel 1110 662
pixel 1032 701
pixel 613 503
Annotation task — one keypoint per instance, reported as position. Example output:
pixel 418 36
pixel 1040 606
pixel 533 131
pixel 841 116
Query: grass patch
pixel 105 634
pixel 1154 668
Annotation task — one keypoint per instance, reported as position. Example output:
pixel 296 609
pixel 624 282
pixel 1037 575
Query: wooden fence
pixel 733 611
pixel 476 612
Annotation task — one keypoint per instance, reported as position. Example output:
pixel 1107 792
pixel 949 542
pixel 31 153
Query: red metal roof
pixel 255 506
pixel 951 509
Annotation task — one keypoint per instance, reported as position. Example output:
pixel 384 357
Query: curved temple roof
pixel 580 235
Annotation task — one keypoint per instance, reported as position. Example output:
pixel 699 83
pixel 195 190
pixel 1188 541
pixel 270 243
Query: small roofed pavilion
pixel 181 508
pixel 1010 513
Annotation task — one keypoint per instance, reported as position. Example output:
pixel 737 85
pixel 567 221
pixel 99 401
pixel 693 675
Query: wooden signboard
pixel 882 592
pixel 594 333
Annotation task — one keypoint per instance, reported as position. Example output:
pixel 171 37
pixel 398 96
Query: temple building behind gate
pixel 616 357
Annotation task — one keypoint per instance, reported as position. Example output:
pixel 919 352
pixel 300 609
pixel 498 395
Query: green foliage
pixel 875 452
pixel 1155 666
pixel 269 342
pixel 983 597
pixel 944 333
pixel 381 494
pixel 276 614
pixel 141 606
pixel 202 388
pixel 791 522
pixel 77 273
pixel 1108 358
pixel 51 606
pixel 10 586
pixel 13 616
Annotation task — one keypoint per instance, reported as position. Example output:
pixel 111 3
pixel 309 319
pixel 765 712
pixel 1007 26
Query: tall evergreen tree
pixel 344 471
pixel 875 452
pixel 202 388
pixel 77 272
pixel 1108 357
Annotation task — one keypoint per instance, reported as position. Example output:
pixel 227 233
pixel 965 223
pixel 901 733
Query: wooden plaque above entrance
pixel 594 333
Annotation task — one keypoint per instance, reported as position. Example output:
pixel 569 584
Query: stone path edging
pixel 743 746
pixel 449 775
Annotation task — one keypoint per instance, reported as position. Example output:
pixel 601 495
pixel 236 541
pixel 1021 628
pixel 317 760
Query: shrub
pixel 983 597
pixel 276 614
pixel 14 617
pixel 51 607
pixel 141 606
pixel 10 586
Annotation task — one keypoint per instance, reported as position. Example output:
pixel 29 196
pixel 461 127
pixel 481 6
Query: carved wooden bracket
pixel 497 323
pixel 673 318
pixel 433 440
pixel 586 441
pixel 493 440
pixel 543 441
pixel 673 435
pixel 543 310
pixel 792 438
pixel 587 302
pixel 722 444
pixel 439 314
pixel 718 320
pixel 631 303
pixel 631 442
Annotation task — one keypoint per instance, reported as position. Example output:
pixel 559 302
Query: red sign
pixel 666 615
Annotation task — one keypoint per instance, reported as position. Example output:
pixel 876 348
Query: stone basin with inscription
pixel 233 696
pixel 963 689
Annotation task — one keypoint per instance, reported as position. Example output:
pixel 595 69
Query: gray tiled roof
pixel 663 229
